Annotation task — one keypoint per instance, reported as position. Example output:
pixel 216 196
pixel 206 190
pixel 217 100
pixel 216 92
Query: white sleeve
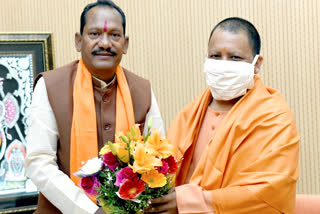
pixel 154 112
pixel 41 160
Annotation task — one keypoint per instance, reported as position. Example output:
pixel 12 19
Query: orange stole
pixel 84 141
pixel 251 163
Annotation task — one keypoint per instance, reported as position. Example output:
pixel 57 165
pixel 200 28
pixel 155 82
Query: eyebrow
pixel 102 29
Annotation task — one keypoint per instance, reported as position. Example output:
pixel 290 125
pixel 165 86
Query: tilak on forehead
pixel 224 50
pixel 105 28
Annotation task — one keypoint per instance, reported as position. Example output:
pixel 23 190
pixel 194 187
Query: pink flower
pixel 125 174
pixel 110 161
pixel 164 168
pixel 89 185
pixel 172 163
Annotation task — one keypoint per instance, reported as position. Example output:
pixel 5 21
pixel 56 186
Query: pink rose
pixel 110 161
pixel 125 174
pixel 164 168
pixel 90 184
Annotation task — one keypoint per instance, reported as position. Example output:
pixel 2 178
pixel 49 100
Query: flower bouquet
pixel 130 171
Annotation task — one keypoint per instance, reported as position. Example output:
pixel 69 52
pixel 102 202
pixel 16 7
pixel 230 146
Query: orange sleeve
pixel 227 200
pixel 192 199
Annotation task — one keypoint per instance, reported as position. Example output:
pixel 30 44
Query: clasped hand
pixel 166 204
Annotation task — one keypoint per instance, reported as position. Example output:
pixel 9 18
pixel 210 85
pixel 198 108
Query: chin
pixel 104 66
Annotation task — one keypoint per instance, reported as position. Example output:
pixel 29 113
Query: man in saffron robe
pixel 237 141
pixel 77 108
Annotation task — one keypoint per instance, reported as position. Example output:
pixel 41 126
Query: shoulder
pixel 62 71
pixel 135 80
pixel 137 84
pixel 58 75
pixel 263 108
pixel 272 101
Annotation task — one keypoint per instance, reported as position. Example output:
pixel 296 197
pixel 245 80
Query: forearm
pixel 239 199
pixel 41 160
pixel 192 199
pixel 57 186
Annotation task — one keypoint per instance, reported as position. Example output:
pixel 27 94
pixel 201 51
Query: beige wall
pixel 168 41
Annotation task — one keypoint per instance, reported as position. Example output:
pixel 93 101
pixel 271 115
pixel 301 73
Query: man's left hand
pixel 166 204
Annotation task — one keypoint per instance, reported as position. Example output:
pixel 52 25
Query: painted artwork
pixel 16 81
pixel 22 58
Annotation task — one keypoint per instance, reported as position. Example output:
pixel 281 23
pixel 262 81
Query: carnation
pixel 125 174
pixel 164 168
pixel 90 184
pixel 173 166
pixel 110 161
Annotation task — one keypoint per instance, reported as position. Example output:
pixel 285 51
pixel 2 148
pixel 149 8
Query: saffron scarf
pixel 84 137
pixel 251 163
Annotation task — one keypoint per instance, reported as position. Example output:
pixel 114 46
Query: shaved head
pixel 238 25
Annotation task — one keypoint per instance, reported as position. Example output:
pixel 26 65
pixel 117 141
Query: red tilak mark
pixel 105 28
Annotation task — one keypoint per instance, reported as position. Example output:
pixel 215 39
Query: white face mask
pixel 229 79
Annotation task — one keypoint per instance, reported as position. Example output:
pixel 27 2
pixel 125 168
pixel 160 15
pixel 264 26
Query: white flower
pixel 109 176
pixel 91 168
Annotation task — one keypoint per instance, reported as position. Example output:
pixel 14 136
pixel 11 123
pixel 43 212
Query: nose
pixel 104 41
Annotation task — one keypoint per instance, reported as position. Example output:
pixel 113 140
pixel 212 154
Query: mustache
pixel 96 52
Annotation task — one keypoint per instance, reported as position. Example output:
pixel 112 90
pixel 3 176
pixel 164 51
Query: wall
pixel 168 41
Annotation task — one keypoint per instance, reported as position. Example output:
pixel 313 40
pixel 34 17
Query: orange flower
pixel 122 152
pixel 154 179
pixel 119 149
pixel 143 161
pixel 158 146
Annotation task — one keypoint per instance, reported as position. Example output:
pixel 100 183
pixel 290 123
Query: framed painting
pixel 22 57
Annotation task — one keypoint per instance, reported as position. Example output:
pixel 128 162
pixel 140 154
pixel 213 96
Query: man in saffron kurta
pixel 79 107
pixel 239 154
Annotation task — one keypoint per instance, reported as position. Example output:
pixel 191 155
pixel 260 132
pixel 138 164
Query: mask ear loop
pixel 255 59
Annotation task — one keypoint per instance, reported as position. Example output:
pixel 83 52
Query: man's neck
pixel 223 105
pixel 106 76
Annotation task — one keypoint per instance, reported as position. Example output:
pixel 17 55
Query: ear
pixel 126 45
pixel 258 65
pixel 78 41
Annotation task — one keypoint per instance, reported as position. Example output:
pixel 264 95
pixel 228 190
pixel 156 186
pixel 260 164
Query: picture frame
pixel 22 57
